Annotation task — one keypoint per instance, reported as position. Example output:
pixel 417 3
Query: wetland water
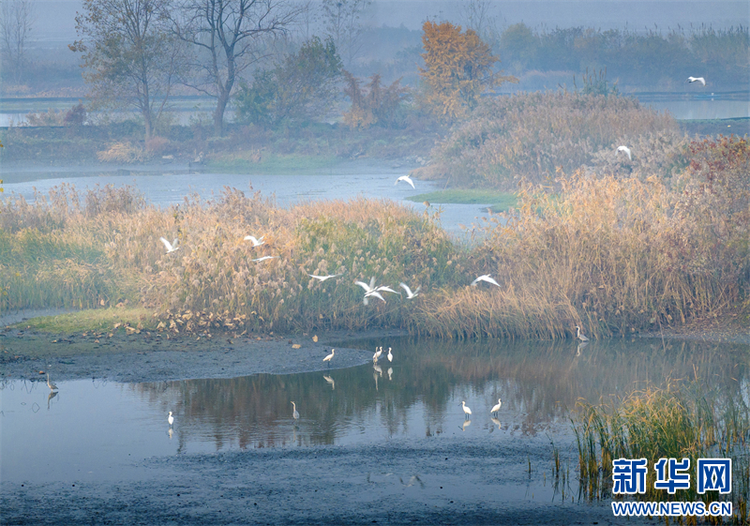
pixel 364 433
pixel 169 184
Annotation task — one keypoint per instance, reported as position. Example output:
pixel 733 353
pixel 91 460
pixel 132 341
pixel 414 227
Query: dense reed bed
pixel 533 136
pixel 683 420
pixel 613 253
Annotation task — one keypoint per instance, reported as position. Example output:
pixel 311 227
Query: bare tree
pixel 131 57
pixel 229 35
pixel 479 16
pixel 17 20
pixel 343 25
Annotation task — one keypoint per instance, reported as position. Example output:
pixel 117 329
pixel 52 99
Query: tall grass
pixel 534 136
pixel 613 254
pixel 679 421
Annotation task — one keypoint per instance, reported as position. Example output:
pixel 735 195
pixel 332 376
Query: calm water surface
pixel 97 430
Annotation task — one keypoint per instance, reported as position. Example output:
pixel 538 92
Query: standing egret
pixel 390 355
pixel 256 242
pixel 52 386
pixel 579 335
pixel 496 407
pixel 626 150
pixel 295 414
pixel 329 357
pixel 485 277
pixel 170 419
pixel 409 293
pixel 406 179
pixel 697 79
pixel 378 352
pixel 467 411
pixel 171 247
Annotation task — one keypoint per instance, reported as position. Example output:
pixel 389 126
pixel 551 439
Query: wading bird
pixel 264 258
pixel 171 247
pixel 52 386
pixel 409 293
pixel 390 355
pixel 295 414
pixel 256 242
pixel 496 407
pixel 323 278
pixel 467 411
pixel 170 419
pixel 329 357
pixel 579 335
pixel 697 79
pixel 485 277
pixel 376 356
pixel 626 150
pixel 406 179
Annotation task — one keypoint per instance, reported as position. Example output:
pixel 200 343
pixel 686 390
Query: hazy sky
pixel 56 18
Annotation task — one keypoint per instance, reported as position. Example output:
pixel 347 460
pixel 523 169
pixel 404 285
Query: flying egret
pixel 52 386
pixel 496 407
pixel 697 79
pixel 256 242
pixel 626 150
pixel 264 258
pixel 171 247
pixel 323 278
pixel 384 288
pixel 295 414
pixel 467 411
pixel 406 179
pixel 390 355
pixel 170 419
pixel 485 277
pixel 329 357
pixel 369 289
pixel 409 293
pixel 579 335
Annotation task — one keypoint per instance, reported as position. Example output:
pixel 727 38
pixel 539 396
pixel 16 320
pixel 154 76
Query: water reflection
pixel 536 384
pixel 101 427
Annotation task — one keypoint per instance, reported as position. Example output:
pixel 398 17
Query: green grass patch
pixel 97 320
pixel 269 163
pixel 500 201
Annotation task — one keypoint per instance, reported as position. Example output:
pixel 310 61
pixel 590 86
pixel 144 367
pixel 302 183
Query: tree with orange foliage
pixel 459 68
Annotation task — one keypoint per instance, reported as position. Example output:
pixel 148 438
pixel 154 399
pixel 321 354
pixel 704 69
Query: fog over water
pixel 56 18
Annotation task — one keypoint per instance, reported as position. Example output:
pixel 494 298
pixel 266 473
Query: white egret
pixel 409 293
pixel 171 247
pixel 374 293
pixel 496 407
pixel 697 79
pixel 329 357
pixel 369 289
pixel 256 242
pixel 626 150
pixel 467 411
pixel 579 335
pixel 406 179
pixel 264 258
pixel 323 278
pixel 52 386
pixel 295 414
pixel 378 352
pixel 485 277
pixel 170 419
pixel 390 355
pixel 384 288
pixel 330 381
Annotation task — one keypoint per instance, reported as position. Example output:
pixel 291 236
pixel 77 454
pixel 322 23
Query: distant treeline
pixel 653 60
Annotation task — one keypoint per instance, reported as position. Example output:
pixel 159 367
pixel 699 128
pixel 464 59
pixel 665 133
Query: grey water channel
pixel 94 430
pixel 170 184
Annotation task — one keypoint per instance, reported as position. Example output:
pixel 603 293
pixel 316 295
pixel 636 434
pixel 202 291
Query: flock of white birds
pixel 371 291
